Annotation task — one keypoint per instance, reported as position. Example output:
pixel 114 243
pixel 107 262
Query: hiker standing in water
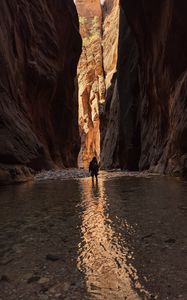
pixel 94 169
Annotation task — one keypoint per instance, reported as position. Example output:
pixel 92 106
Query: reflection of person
pixel 94 168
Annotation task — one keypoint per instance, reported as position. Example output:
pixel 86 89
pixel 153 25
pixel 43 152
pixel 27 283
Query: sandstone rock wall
pixel 98 105
pixel 160 110
pixel 90 79
pixel 39 50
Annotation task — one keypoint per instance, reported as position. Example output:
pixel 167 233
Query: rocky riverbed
pixel 63 238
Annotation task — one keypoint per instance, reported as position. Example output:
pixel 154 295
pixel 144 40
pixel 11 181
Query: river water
pixel 61 237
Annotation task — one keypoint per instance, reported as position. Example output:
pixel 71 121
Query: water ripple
pixel 103 254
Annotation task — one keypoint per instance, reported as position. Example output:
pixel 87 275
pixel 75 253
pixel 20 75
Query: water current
pixel 61 237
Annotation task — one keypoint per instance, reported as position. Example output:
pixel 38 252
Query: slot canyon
pixel 129 95
pixel 82 79
pixel 132 94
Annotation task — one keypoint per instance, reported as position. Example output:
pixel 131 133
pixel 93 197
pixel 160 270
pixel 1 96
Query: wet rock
pixel 66 286
pixel 27 276
pixel 4 278
pixel 44 289
pixel 43 280
pixel 6 261
pixel 33 279
pixel 21 174
pixel 182 207
pixel 44 297
pixel 52 257
pixel 58 295
pixel 147 236
pixel 170 241
pixel 44 230
pixel 54 289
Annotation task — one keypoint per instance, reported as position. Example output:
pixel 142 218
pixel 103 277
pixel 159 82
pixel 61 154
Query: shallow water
pixel 63 238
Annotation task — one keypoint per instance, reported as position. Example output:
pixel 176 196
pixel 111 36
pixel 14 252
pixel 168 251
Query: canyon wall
pixel 128 93
pixel 132 97
pixel 109 117
pixel 158 104
pixel 98 105
pixel 90 79
pixel 39 50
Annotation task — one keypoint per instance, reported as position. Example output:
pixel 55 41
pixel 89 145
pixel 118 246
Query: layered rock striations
pixel 39 51
pixel 90 79
pixel 158 106
pixel 98 108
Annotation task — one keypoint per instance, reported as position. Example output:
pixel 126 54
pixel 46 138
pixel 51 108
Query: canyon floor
pixel 63 238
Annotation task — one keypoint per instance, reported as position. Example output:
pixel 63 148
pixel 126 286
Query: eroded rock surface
pixel 110 113
pixel 98 108
pixel 91 79
pixel 39 51
pixel 161 105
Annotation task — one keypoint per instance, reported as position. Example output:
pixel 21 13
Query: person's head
pixel 94 158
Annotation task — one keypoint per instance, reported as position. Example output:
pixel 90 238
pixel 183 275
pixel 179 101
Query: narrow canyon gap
pixel 107 79
pixel 132 89
pixel 132 86
pixel 98 108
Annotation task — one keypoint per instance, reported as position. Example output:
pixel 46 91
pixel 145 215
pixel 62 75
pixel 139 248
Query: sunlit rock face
pixel 159 28
pixel 96 76
pixel 90 79
pixel 39 50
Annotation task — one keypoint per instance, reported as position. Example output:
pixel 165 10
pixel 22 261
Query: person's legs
pixel 96 178
pixel 95 174
pixel 92 178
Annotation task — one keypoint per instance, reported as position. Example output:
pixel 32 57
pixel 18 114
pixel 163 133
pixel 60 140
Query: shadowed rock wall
pixel 109 125
pixel 39 50
pixel 160 104
pixel 128 89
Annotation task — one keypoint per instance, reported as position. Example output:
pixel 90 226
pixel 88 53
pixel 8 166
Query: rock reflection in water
pixel 102 257
pixel 126 236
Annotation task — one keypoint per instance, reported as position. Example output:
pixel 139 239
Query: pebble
pixel 4 278
pixel 52 257
pixel 33 279
pixel 66 286
pixel 170 241
pixel 27 276
pixel 44 297
pixel 58 295
pixel 43 280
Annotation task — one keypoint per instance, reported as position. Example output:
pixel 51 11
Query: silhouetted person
pixel 94 169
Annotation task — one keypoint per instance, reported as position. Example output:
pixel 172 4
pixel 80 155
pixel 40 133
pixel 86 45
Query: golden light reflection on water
pixel 102 257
